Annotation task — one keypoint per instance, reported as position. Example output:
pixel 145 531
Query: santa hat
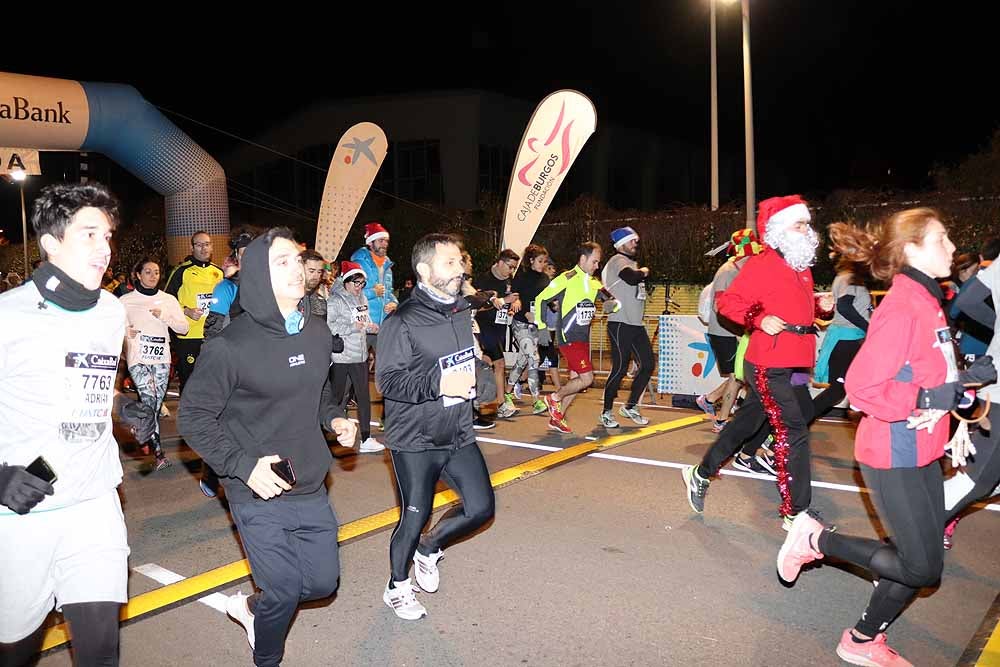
pixel 375 231
pixel 744 243
pixel 348 269
pixel 623 235
pixel 778 212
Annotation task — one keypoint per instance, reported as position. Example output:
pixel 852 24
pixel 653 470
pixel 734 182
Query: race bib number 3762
pixel 463 361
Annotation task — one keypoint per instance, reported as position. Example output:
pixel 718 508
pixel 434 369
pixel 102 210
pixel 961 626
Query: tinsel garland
pixel 773 412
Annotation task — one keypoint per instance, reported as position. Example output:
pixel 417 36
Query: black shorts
pixel 492 340
pixel 724 348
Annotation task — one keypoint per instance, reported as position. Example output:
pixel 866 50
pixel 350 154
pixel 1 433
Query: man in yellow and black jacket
pixel 192 282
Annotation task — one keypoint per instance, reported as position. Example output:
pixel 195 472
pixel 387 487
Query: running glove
pixel 20 490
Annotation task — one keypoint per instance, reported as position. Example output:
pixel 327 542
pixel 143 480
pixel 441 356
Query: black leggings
pixel 358 375
pixel 760 437
pixel 628 340
pixel 417 474
pixel 93 627
pixel 984 468
pixel 910 504
pixel 840 360
pixel 751 418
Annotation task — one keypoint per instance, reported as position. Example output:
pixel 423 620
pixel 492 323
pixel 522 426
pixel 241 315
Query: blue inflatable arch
pixel 115 120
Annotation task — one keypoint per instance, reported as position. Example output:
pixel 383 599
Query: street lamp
pixel 19 175
pixel 747 112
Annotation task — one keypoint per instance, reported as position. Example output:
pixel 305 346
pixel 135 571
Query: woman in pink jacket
pixel 150 312
pixel 905 379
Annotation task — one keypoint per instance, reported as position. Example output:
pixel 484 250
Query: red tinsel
pixel 752 312
pixel 780 432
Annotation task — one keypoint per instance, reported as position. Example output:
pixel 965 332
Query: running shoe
pixel 633 414
pixel 559 425
pixel 799 547
pixel 403 601
pixel 707 407
pixel 874 653
pixel 696 488
pixel 239 611
pixel 608 421
pixel 426 570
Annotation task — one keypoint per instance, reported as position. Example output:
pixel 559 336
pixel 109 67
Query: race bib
pixel 947 347
pixel 88 396
pixel 361 315
pixel 204 302
pixel 463 361
pixel 152 349
pixel 503 315
pixel 585 311
pixel 640 291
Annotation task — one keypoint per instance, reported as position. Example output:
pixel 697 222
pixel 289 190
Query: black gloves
pixel 20 490
pixel 947 396
pixel 981 371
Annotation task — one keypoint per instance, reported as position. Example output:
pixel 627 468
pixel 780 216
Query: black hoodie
pixel 258 390
pixel 414 344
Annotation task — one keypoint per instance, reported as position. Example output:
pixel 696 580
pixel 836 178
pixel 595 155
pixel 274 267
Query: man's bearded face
pixel 797 242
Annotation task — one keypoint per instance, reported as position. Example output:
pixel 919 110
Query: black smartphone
pixel 283 469
pixel 41 469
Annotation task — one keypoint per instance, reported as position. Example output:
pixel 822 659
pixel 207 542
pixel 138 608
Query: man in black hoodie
pixel 426 370
pixel 259 395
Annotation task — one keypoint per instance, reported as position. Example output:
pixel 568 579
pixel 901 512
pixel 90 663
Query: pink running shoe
pixel 798 547
pixel 875 653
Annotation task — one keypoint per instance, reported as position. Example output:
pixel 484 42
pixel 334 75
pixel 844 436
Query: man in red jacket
pixel 773 297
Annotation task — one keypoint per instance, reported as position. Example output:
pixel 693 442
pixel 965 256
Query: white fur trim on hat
pixel 376 236
pixel 625 239
pixel 352 272
pixel 793 213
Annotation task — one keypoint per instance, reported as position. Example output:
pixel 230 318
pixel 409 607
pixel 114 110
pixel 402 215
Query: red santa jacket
pixel 908 346
pixel 780 290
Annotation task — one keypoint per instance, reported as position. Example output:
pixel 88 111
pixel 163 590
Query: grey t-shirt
pixel 631 297
pixel 990 276
pixel 862 299
pixel 724 277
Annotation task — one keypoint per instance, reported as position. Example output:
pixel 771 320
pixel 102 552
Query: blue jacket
pixel 376 304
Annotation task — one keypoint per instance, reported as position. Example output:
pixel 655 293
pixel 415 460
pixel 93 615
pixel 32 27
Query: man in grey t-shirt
pixel 723 335
pixel 623 277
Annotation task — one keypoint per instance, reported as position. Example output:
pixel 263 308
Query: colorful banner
pixel 19 159
pixel 360 153
pixel 556 133
pixel 687 364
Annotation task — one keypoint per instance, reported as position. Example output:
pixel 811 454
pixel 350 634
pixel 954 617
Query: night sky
pixel 846 93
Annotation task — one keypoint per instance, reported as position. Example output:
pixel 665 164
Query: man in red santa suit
pixel 773 297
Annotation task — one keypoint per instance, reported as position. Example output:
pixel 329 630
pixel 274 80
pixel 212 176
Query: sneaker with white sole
pixel 766 460
pixel 506 410
pixel 518 391
pixel 559 425
pixel 402 601
pixel 706 406
pixel 633 414
pixel 370 446
pixel 696 488
pixel 750 464
pixel 480 424
pixel 425 570
pixel 239 611
pixel 875 653
pixel 539 407
pixel 608 420
pixel 800 546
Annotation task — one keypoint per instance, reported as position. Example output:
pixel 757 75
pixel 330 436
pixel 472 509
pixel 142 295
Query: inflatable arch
pixel 114 119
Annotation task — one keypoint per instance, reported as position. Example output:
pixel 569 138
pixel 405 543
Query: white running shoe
pixel 370 446
pixel 425 569
pixel 402 601
pixel 239 611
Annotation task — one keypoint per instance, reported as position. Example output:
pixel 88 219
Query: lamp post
pixel 20 175
pixel 748 118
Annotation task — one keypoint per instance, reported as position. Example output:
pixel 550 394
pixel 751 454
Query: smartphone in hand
pixel 41 469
